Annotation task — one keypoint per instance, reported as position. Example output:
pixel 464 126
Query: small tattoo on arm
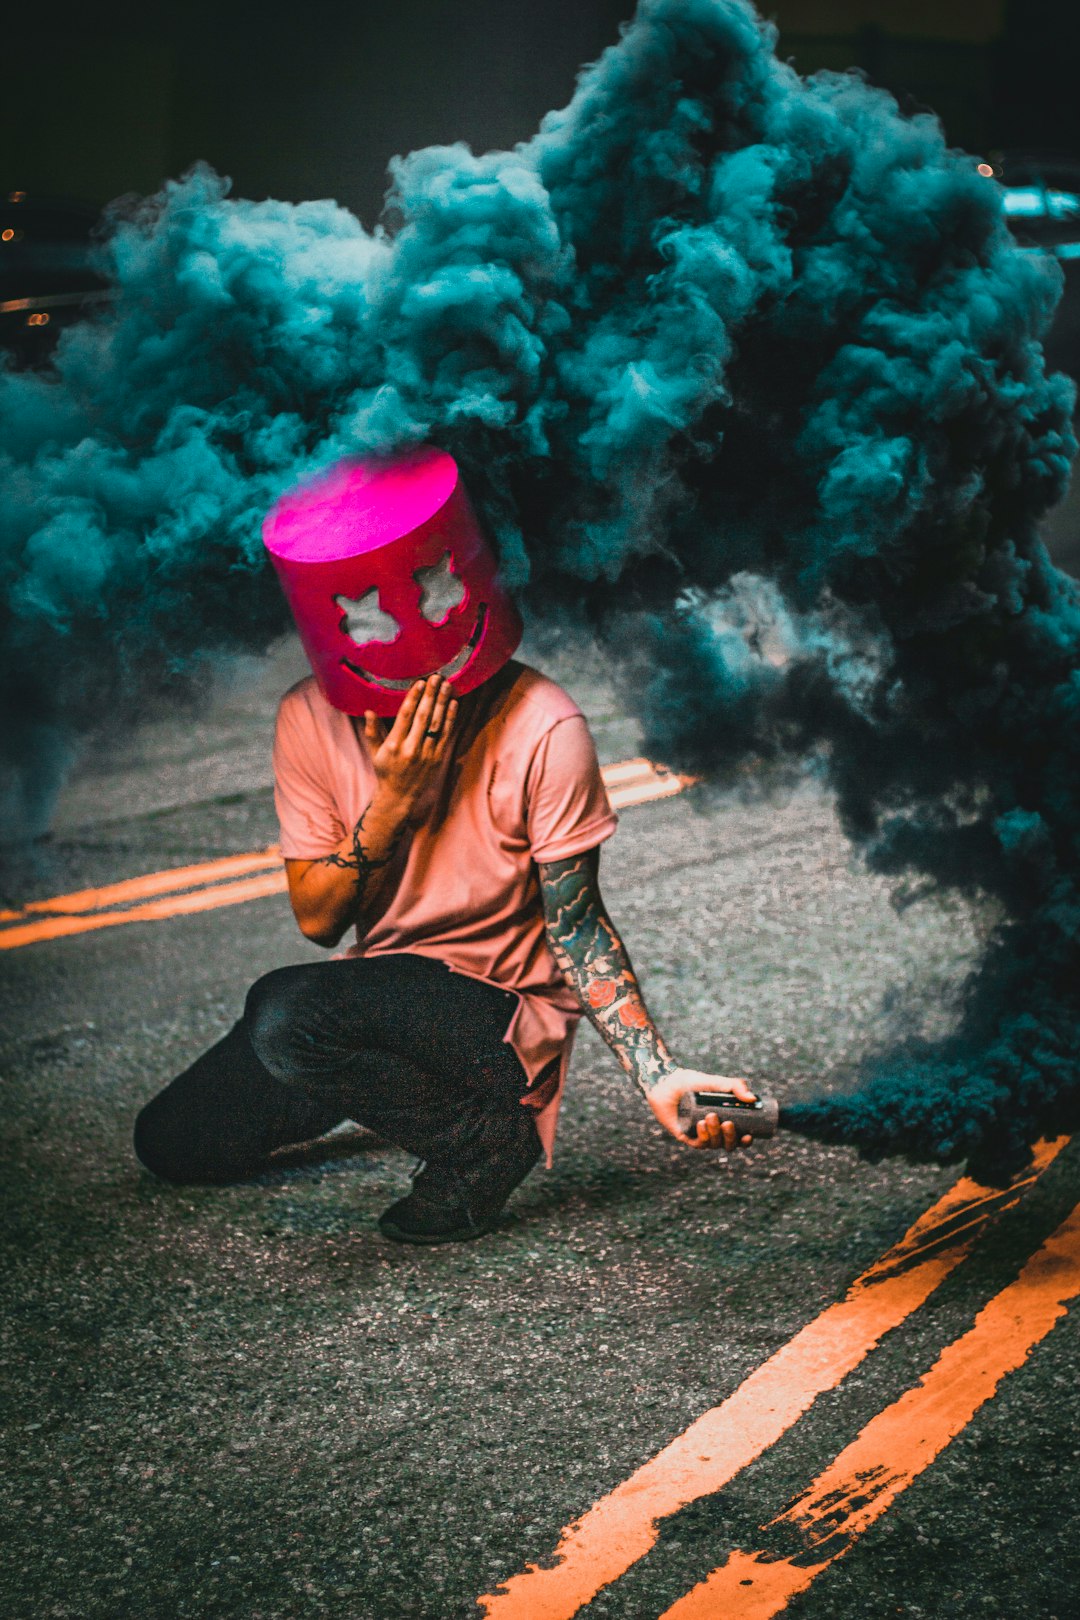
pixel 358 861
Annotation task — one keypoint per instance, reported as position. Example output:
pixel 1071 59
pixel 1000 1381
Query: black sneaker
pixel 434 1212
pixel 452 1204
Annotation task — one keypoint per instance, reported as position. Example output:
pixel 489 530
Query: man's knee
pixel 273 1013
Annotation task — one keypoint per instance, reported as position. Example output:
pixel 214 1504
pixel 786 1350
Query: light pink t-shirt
pixel 527 789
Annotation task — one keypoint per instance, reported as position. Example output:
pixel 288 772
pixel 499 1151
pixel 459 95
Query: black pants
pixel 398 1043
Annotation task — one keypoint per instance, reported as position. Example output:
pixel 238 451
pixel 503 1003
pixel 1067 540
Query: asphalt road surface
pixel 670 1384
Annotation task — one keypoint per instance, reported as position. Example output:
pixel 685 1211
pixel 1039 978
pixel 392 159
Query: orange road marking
pixel 139 888
pixel 631 781
pixel 643 791
pixel 622 1527
pixel 637 781
pixel 897 1445
pixel 174 905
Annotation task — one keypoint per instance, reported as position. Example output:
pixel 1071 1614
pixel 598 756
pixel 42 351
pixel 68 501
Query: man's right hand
pixel 342 887
pixel 712 1132
pixel 407 756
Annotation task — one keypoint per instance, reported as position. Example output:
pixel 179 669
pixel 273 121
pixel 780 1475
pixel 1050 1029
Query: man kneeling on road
pixel 445 800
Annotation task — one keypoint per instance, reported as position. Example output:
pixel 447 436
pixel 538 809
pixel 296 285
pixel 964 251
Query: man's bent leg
pixel 220 1120
pixel 416 1053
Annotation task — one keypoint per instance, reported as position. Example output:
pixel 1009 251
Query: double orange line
pixel 236 879
pixel 181 890
pixel 863 1481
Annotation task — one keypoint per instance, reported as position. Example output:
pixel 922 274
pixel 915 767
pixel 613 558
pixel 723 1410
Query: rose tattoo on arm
pixel 595 964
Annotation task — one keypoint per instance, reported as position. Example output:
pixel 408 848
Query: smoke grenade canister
pixel 757 1119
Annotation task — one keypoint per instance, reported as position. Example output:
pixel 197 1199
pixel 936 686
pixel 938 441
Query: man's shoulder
pixel 306 720
pixel 538 701
pixel 304 704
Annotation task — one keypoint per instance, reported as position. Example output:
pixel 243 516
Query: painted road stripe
pixel 622 1527
pixel 204 887
pixel 140 888
pixel 173 905
pixel 897 1445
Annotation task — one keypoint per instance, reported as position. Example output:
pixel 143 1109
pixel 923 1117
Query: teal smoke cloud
pixel 748 358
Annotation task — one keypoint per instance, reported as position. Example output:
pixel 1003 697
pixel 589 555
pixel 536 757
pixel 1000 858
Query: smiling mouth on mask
pixel 454 667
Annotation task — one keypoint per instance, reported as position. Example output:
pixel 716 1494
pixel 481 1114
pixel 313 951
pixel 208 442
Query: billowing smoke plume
pixel 748 358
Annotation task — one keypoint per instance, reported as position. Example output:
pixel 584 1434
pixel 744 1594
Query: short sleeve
pixel 567 809
pixel 307 815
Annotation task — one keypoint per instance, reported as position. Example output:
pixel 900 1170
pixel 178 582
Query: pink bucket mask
pixel 390 578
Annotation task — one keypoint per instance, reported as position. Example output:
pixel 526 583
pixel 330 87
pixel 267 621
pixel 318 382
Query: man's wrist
pixel 387 817
pixel 650 1069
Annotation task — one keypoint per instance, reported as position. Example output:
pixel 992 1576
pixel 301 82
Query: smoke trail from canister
pixel 747 358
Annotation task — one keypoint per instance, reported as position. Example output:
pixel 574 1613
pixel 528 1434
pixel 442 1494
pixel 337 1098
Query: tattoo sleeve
pixel 594 963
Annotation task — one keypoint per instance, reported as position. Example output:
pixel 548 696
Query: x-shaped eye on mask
pixel 440 590
pixel 440 593
pixel 364 620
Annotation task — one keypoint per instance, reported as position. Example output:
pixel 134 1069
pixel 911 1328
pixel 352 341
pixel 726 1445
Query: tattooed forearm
pixel 359 859
pixel 349 884
pixel 594 962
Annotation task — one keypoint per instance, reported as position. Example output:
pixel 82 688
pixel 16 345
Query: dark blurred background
pixel 310 99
